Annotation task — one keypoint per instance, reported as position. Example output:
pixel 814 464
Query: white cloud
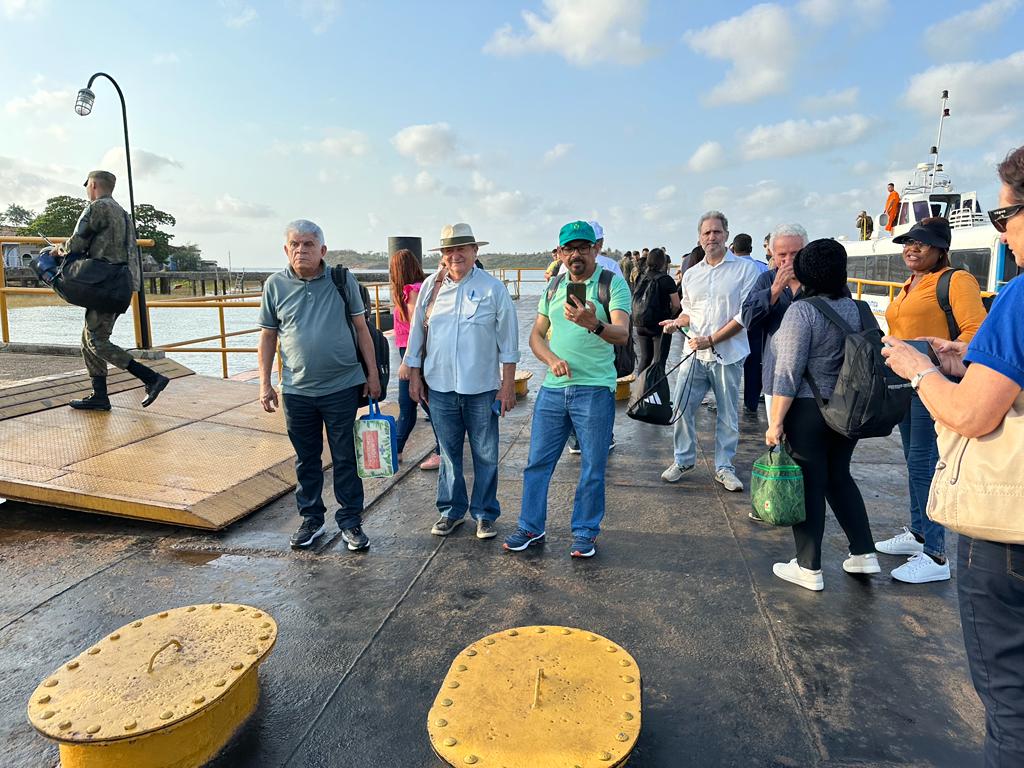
pixel 238 14
pixel 802 137
pixel 666 193
pixel 232 206
pixel 709 155
pixel 144 163
pixel 556 152
pixel 825 12
pixel 24 10
pixel 41 101
pixel 425 182
pixel 422 182
pixel 959 33
pixel 320 13
pixel 29 184
pixel 583 32
pixel 761 46
pixel 166 58
pixel 59 132
pixel 426 144
pixel 341 144
pixel 832 100
pixel 480 183
pixel 716 198
pixel 506 204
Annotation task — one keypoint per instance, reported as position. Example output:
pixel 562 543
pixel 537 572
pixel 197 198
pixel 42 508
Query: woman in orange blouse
pixel 916 312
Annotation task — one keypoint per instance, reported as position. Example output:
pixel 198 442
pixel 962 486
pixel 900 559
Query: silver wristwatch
pixel 916 381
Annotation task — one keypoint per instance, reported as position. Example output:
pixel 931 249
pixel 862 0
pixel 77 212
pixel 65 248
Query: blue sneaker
pixel 521 539
pixel 583 547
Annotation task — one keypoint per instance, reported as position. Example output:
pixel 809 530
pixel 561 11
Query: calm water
pixel 63 325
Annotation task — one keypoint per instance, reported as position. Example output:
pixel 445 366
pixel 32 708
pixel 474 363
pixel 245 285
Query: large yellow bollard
pixel 166 691
pixel 540 696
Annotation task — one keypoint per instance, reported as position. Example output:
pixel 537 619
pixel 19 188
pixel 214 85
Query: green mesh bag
pixel 777 488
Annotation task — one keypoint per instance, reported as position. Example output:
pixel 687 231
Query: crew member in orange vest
pixel 892 207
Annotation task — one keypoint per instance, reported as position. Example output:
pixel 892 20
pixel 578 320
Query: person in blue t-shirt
pixel 990 574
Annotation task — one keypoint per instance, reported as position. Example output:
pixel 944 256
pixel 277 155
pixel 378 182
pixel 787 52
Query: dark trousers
pixel 651 348
pixel 752 370
pixel 305 419
pixel 990 583
pixel 407 412
pixel 97 348
pixel 824 456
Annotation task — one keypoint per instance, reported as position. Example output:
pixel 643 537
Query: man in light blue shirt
pixel 464 330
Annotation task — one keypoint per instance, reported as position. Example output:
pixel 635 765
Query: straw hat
pixel 454 235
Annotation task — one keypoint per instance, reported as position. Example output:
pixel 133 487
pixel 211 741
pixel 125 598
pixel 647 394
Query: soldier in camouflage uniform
pixel 101 234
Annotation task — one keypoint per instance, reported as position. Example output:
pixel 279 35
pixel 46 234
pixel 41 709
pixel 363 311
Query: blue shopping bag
pixel 376 437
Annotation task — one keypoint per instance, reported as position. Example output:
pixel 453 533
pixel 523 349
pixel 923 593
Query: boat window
pixel 974 260
pixel 921 210
pixel 904 213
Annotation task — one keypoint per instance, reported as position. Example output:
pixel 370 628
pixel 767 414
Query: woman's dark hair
pixel 943 261
pixel 807 292
pixel 657 261
pixel 1011 173
pixel 405 269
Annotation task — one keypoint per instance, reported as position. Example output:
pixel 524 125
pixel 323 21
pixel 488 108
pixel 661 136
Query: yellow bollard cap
pixel 152 673
pixel 542 696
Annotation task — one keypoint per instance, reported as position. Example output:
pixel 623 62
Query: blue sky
pixel 378 119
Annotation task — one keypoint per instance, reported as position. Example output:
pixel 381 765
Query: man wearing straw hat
pixel 462 355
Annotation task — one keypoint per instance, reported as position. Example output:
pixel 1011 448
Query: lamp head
pixel 84 102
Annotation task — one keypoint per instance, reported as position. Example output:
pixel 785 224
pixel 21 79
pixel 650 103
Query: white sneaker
pixel 794 573
pixel 920 569
pixel 729 480
pixel 901 544
pixel 862 563
pixel 675 473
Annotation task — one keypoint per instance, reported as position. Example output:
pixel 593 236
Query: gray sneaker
pixel 729 480
pixel 355 538
pixel 675 473
pixel 485 529
pixel 446 525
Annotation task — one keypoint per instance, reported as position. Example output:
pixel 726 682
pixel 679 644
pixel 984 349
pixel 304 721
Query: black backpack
pixel 381 348
pixel 648 309
pixel 869 398
pixel 625 355
pixel 942 295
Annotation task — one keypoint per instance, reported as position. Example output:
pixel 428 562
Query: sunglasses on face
pixel 1000 216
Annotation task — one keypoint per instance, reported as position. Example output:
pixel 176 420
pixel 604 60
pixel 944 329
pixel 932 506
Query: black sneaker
pixel 485 529
pixel 446 525
pixel 308 532
pixel 574 445
pixel 91 403
pixel 355 538
pixel 154 388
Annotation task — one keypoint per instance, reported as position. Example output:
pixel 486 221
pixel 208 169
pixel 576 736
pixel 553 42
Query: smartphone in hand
pixel 577 291
pixel 925 349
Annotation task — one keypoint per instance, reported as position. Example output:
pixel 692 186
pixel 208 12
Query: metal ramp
pixel 203 455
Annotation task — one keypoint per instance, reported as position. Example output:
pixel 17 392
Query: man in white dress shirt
pixel 712 299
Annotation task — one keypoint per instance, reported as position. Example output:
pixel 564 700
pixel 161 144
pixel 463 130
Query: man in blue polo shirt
pixel 322 378
pixel 579 390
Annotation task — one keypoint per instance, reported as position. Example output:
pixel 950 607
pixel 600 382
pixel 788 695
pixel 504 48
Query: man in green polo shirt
pixel 578 391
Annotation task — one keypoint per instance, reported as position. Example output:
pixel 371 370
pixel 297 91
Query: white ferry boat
pixel 975 244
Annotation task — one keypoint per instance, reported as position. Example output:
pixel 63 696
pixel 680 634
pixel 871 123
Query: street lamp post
pixel 83 106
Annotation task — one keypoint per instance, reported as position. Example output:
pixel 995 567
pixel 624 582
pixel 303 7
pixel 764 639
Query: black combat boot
pixel 98 400
pixel 155 382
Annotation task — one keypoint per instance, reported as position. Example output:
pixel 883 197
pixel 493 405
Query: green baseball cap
pixel 576 230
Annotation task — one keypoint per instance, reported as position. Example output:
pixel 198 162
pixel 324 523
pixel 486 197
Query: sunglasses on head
pixel 1000 216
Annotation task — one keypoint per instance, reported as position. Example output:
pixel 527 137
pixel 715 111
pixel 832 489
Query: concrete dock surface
pixel 739 668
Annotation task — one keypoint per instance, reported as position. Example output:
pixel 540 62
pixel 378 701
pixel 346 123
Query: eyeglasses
pixel 914 245
pixel 1000 216
pixel 580 249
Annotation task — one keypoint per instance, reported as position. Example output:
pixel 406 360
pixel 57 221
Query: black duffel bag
pixel 95 284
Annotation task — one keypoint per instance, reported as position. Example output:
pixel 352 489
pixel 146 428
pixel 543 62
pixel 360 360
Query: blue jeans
pixel 990 584
pixel 591 411
pixel 921 452
pixel 305 419
pixel 407 412
pixel 724 381
pixel 455 416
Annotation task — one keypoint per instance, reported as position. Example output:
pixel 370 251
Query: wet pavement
pixel 739 668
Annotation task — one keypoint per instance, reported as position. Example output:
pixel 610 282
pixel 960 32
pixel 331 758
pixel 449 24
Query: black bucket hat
pixel 933 231
pixel 821 265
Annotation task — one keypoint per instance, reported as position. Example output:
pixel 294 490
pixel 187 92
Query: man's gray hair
pixel 788 230
pixel 304 227
pixel 713 215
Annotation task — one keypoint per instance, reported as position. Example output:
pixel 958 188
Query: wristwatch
pixel 916 381
pixel 599 329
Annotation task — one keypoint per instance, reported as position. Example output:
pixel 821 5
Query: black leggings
pixel 824 456
pixel 649 348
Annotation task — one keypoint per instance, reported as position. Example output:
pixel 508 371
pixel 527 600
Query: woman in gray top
pixel 808 344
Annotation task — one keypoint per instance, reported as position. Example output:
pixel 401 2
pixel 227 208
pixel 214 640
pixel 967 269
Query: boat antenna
pixel 938 141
